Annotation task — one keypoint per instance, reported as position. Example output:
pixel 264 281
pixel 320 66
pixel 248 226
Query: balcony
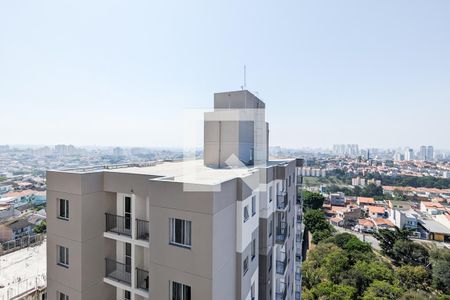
pixel 280 294
pixel 118 224
pixel 142 279
pixel 298 253
pixel 281 263
pixel 282 201
pixel 281 231
pixel 117 271
pixel 142 232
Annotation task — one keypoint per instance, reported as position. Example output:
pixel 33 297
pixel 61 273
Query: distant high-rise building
pixel 430 153
pixel 409 154
pixel 398 156
pixel 422 155
pixel 350 150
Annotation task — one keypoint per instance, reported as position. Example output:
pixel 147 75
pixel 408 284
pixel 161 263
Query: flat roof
pixel 188 171
pixel 194 171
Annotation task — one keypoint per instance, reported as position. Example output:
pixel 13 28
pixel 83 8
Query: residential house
pixel 337 199
pixel 365 226
pixel 362 201
pixel 432 208
pixel 435 230
pixel 375 212
pixel 407 218
pixel 382 223
pixel 15 229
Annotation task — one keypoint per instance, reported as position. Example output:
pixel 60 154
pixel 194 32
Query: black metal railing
pixel 117 271
pixel 281 233
pixel 281 263
pixel 142 230
pixel 142 279
pixel 282 200
pixel 281 294
pixel 118 224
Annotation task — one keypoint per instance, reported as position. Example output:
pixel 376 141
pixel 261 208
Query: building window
pixel 63 211
pixel 253 249
pixel 253 206
pixel 128 257
pixel 180 232
pixel 253 292
pixel 180 291
pixel 246 216
pixel 270 194
pixel 270 262
pixel 61 296
pixel 127 213
pixel 127 295
pixel 290 180
pixel 63 256
pixel 270 228
pixel 245 265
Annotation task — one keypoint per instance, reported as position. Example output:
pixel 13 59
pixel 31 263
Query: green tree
pixel 328 290
pixel 440 266
pixel 416 295
pixel 381 290
pixel 315 220
pixel 40 228
pixel 387 239
pixel 336 263
pixel 312 200
pixel 408 252
pixel 320 235
pixel 357 249
pixel 413 277
pixel 364 273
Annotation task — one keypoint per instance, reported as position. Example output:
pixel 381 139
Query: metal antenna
pixel 245 77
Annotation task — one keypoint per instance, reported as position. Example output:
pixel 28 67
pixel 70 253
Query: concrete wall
pixel 82 234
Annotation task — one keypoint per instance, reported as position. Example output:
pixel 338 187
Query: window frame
pixel 253 249
pixel 60 294
pixel 246 215
pixel 253 205
pixel 183 290
pixel 65 215
pixel 186 233
pixel 63 261
pixel 245 264
pixel 270 194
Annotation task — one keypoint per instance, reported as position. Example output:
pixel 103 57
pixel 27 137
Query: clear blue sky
pixel 111 72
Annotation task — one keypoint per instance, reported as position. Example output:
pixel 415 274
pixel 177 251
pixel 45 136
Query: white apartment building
pixel 226 227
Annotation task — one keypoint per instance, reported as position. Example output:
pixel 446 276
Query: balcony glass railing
pixel 281 263
pixel 117 271
pixel 282 201
pixel 142 279
pixel 281 233
pixel 280 294
pixel 142 230
pixel 118 224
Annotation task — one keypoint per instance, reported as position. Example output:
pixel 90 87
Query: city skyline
pixel 79 76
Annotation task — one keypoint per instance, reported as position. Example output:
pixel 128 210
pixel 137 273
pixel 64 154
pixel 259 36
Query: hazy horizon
pixel 123 73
